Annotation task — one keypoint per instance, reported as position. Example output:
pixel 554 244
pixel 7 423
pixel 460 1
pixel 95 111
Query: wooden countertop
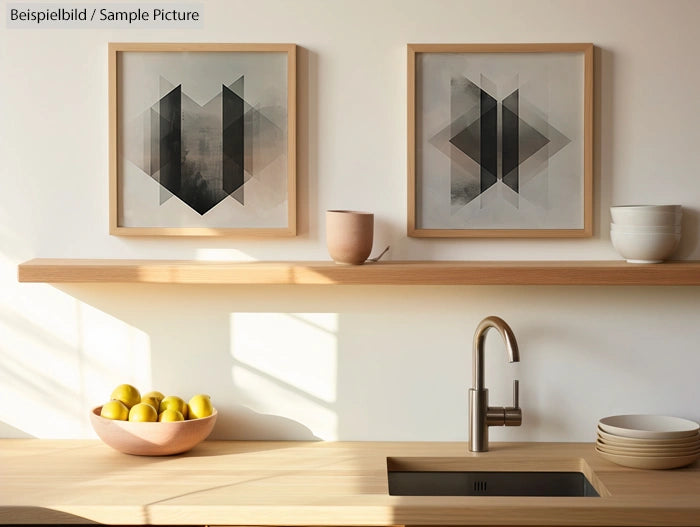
pixel 319 483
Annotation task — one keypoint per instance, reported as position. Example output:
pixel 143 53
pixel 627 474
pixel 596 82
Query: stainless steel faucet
pixel 481 415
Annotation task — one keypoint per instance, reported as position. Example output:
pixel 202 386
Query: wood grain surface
pixel 321 483
pixel 380 273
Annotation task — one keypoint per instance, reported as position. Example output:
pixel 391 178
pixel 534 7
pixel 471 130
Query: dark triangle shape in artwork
pixel 489 141
pixel 465 107
pixel 233 140
pixel 153 136
pixel 529 141
pixel 170 140
pixel 510 141
pixel 202 185
pixel 468 141
pixel 479 141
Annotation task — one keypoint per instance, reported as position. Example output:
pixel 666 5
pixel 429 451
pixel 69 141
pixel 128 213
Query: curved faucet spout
pixel 478 352
pixel 481 415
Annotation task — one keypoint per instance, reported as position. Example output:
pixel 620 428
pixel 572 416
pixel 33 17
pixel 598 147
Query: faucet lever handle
pixel 513 415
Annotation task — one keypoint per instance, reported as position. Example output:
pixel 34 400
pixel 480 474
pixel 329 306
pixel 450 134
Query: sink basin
pixel 469 477
pixel 490 484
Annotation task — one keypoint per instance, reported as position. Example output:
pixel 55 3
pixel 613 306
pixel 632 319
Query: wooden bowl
pixel 151 439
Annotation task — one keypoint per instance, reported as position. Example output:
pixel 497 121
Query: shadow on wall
pixel 197 345
pixel 279 365
pixel 9 431
pixel 604 134
pixel 689 234
pixel 31 356
pixel 41 392
pixel 243 423
pixel 63 351
pixel 276 362
pixel 373 363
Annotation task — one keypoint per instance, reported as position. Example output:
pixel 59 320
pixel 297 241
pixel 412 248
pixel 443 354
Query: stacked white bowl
pixel 645 233
pixel 648 441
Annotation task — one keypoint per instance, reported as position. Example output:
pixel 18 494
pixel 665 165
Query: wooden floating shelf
pixel 51 270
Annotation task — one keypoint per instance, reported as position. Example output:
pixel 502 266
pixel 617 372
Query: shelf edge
pixel 48 270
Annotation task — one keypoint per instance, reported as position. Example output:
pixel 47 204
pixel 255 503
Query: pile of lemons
pixel 127 404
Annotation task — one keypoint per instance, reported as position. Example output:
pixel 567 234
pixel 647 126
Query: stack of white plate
pixel 648 441
pixel 645 233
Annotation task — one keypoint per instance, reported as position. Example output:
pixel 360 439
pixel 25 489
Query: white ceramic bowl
pixel 671 229
pixel 151 439
pixel 643 426
pixel 646 214
pixel 644 247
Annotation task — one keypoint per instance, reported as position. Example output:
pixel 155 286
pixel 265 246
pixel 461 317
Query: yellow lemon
pixel 143 412
pixel 158 396
pixel 127 394
pixel 200 406
pixel 152 401
pixel 170 415
pixel 173 402
pixel 116 410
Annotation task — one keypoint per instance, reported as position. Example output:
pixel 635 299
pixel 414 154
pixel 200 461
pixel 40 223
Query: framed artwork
pixel 202 139
pixel 500 140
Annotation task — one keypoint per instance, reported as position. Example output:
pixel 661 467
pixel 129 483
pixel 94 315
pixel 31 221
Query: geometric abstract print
pixel 492 134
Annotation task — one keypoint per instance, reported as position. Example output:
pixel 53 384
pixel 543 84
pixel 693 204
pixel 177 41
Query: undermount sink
pixel 416 477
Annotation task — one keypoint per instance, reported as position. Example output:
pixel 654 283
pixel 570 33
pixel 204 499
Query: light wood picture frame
pixel 202 139
pixel 500 140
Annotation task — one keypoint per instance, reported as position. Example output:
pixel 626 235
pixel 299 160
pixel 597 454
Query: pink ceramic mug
pixel 349 235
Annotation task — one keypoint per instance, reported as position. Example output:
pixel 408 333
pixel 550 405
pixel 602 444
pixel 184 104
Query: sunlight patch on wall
pixel 59 357
pixel 40 380
pixel 112 353
pixel 286 364
pixel 267 396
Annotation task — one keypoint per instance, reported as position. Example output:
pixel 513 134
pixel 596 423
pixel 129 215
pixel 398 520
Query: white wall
pixel 386 363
